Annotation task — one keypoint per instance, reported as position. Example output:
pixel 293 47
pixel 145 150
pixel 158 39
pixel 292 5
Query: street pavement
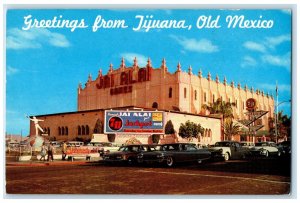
pixel 251 177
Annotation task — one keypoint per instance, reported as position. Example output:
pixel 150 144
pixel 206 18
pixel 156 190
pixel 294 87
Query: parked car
pixel 247 144
pixel 174 153
pixel 75 144
pixel 286 147
pixel 229 150
pixel 56 143
pixel 266 149
pixel 106 147
pixel 126 154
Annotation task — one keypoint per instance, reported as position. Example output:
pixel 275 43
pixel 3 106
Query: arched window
pixel 170 92
pixel 83 130
pixel 67 130
pixel 79 130
pixel 195 94
pixel 209 133
pixel 213 98
pixel 59 131
pixel 62 131
pixel 184 92
pixel 87 130
pixel 155 105
pixel 204 96
pixel 48 131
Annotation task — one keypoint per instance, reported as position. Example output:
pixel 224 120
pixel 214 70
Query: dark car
pixel 170 154
pixel 126 154
pixel 286 147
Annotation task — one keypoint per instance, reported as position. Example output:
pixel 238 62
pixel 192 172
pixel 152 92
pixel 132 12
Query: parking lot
pixel 259 176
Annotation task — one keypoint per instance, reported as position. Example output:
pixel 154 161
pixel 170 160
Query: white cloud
pixel 10 70
pixel 272 42
pixel 248 61
pixel 34 39
pixel 287 11
pixel 272 87
pixel 255 46
pixel 283 61
pixel 201 45
pixel 129 57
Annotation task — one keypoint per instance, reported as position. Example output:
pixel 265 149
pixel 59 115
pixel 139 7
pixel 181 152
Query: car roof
pixel 228 141
pixel 140 145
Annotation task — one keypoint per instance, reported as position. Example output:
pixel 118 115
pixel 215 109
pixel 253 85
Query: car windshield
pixel 222 144
pixel 129 148
pixel 149 148
pixel 121 148
pixel 261 144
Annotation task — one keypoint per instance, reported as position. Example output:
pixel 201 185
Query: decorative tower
pixel 122 65
pixel 79 87
pixel 178 67
pixel 208 76
pixel 149 63
pixel 232 84
pixel 190 70
pixel 225 81
pixel 164 65
pixel 111 68
pixel 100 73
pixel 200 74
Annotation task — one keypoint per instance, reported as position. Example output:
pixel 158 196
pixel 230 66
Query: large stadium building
pixel 179 95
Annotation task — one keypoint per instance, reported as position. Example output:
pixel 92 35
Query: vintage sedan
pixel 247 144
pixel 286 147
pixel 266 149
pixel 171 154
pixel 229 150
pixel 126 154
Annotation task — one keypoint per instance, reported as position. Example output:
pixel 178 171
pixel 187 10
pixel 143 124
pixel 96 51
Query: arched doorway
pixel 155 105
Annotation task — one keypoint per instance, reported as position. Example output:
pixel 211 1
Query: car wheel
pixel 226 156
pixel 140 161
pixel 170 161
pixel 130 161
pixel 267 153
pixel 279 153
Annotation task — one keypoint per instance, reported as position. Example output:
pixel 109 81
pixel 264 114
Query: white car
pixel 247 144
pixel 228 150
pixel 266 149
pixel 106 147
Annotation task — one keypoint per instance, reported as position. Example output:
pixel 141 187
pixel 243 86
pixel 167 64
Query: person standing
pixel 50 152
pixel 64 151
pixel 43 152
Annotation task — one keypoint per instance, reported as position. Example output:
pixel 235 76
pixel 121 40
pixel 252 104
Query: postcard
pixel 139 101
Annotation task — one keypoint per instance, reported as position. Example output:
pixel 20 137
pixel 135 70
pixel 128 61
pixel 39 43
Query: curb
pixel 59 163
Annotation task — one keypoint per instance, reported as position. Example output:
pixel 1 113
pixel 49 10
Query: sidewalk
pixel 51 163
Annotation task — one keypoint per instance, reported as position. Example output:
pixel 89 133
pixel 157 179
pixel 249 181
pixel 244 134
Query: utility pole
pixel 276 114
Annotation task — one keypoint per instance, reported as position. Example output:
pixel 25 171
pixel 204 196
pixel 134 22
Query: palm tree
pixel 220 107
pixel 231 129
pixel 223 108
pixel 284 125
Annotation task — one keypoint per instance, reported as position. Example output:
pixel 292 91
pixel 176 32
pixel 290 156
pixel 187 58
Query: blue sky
pixel 44 66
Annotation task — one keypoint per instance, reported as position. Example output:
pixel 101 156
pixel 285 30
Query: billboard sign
pixel 134 122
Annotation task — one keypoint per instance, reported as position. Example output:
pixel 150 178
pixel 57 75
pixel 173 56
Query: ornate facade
pixel 150 87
